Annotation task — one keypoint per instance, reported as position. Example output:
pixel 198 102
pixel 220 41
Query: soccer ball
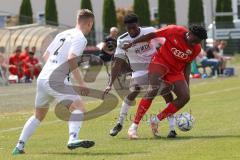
pixel 185 121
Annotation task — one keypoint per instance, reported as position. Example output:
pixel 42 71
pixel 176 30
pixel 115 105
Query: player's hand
pixel 107 90
pixel 84 90
pixel 126 46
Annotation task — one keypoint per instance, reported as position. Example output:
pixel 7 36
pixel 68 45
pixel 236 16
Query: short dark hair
pixel 31 53
pixel 131 18
pixel 84 14
pixel 19 49
pixel 199 31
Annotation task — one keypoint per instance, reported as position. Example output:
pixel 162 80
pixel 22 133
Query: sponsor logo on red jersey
pixel 180 54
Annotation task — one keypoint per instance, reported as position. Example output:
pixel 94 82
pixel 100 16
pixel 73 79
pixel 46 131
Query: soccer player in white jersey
pixel 139 58
pixel 64 49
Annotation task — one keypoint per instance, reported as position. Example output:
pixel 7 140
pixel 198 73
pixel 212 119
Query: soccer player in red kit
pixel 172 64
pixel 24 54
pixel 31 67
pixel 15 64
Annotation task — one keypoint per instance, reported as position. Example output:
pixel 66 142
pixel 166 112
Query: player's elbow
pixel 71 56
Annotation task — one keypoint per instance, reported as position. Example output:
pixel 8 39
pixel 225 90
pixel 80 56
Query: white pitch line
pixel 18 128
pixel 30 92
pixel 209 93
pixel 215 92
pixel 44 123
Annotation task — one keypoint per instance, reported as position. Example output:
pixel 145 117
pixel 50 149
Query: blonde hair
pixel 84 14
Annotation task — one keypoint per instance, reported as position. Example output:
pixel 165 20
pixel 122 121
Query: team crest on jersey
pixel 175 41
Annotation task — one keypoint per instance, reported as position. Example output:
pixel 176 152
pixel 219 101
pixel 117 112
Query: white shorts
pixel 45 94
pixel 141 80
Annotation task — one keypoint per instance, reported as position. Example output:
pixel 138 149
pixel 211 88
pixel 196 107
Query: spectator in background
pixel 212 52
pixel 216 52
pixel 31 68
pixel 223 59
pixel 109 46
pixel 221 47
pixel 33 49
pixel 205 62
pixel 15 63
pixel 25 53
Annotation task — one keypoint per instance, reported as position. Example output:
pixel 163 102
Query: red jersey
pixel 32 61
pixel 14 59
pixel 23 55
pixel 176 52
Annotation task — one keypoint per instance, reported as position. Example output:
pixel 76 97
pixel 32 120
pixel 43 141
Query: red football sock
pixel 170 110
pixel 142 109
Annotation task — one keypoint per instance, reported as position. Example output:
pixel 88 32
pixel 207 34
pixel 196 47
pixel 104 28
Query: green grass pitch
pixel 215 105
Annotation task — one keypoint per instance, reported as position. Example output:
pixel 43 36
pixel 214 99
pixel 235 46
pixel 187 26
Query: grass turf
pixel 216 133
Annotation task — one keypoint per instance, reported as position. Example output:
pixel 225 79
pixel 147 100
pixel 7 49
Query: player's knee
pixel 185 98
pixel 39 116
pixel 154 90
pixel 40 113
pixel 132 96
pixel 135 90
pixel 168 97
pixel 77 105
pixel 152 93
pixel 129 100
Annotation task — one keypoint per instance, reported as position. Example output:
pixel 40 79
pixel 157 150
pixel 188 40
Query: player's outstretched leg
pixel 181 90
pixel 29 128
pixel 126 104
pixel 74 124
pixel 168 97
pixel 172 121
pixel 144 105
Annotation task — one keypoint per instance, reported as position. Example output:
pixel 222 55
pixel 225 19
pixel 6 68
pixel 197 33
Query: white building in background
pixel 67 9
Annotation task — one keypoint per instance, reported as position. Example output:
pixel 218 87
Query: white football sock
pixel 123 112
pixel 74 125
pixel 27 131
pixel 172 122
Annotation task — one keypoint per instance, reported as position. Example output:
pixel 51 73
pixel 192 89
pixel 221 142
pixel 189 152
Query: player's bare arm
pixel 73 64
pixel 117 65
pixel 144 38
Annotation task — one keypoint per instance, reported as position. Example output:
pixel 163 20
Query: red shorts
pixel 159 66
pixel 32 72
pixel 14 71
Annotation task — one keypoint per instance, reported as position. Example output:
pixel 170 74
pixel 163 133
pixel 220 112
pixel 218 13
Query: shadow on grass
pixel 183 137
pixel 207 137
pixel 93 153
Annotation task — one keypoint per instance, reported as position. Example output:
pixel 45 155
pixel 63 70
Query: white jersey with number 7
pixel 71 41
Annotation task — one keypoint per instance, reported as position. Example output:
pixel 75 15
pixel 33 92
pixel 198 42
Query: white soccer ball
pixel 185 121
